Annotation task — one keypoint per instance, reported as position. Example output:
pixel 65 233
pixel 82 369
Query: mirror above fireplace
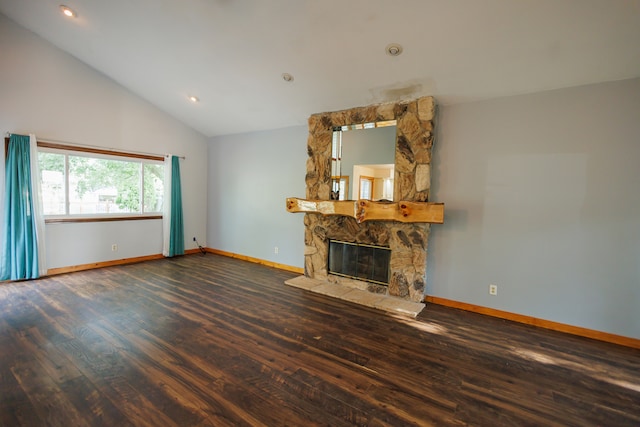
pixel 363 161
pixel 412 165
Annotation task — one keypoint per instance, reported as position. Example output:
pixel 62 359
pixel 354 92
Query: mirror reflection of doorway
pixel 382 177
pixel 366 187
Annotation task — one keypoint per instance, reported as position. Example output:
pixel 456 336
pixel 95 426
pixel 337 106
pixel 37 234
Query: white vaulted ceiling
pixel 231 54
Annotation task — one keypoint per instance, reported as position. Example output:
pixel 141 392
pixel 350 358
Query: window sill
pixel 101 219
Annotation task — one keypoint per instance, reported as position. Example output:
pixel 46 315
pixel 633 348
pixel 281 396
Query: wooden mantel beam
pixel 366 210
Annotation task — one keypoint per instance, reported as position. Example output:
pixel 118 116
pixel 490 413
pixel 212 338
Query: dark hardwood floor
pixel 214 341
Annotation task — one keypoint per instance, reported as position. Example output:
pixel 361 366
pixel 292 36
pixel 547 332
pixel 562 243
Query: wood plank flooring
pixel 215 341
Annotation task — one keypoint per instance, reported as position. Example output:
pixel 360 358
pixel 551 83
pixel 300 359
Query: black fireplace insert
pixel 369 263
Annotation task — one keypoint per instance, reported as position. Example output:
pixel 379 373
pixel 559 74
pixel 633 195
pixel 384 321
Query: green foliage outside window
pixel 99 185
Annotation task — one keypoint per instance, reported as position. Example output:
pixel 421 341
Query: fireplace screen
pixel 363 262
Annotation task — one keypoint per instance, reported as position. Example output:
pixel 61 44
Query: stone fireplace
pixel 407 241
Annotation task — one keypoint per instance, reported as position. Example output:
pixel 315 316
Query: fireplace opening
pixel 369 263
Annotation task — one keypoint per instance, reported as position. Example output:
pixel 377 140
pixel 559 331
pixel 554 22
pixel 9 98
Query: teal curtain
pixel 19 240
pixel 176 227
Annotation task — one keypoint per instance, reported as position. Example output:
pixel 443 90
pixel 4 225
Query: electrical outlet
pixel 493 289
pixel 114 247
pixel 275 250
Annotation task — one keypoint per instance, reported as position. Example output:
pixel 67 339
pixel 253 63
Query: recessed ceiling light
pixel 194 99
pixel 287 77
pixel 394 49
pixel 67 11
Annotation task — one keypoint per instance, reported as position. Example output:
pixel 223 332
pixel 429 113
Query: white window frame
pixel 68 150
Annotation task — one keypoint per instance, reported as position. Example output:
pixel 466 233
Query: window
pixel 366 187
pixel 339 187
pixel 86 183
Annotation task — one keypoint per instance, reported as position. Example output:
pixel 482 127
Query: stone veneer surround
pixel 407 241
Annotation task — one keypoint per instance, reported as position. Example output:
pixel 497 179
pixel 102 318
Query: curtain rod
pixel 8 134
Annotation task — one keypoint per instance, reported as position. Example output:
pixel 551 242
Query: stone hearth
pixel 377 301
pixel 407 241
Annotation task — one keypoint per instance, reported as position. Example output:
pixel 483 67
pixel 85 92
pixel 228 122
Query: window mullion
pixel 141 187
pixel 66 185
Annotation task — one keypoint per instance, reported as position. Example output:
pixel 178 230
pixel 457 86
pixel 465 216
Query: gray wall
pixel 250 177
pixel 48 92
pixel 541 198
